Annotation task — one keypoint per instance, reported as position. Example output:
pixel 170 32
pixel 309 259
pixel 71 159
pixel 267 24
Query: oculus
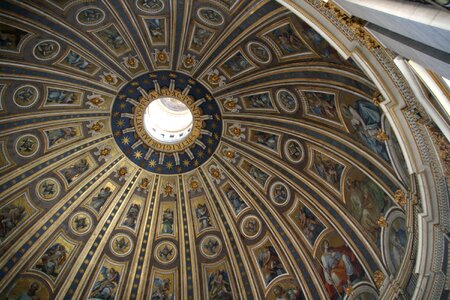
pixel 168 120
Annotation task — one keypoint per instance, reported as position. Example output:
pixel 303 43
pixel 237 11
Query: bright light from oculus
pixel 168 120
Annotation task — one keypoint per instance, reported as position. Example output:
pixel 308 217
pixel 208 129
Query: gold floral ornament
pixel 168 189
pixel 189 61
pixel 95 101
pixel 97 126
pixel 123 171
pixel 131 62
pixel 237 132
pixel 216 174
pixel 214 78
pixel 382 222
pixel 104 153
pixel 231 104
pixel 161 56
pixel 400 198
pixel 382 136
pixel 194 185
pixel 109 78
pixel 144 183
pixel 230 154
pixel 378 277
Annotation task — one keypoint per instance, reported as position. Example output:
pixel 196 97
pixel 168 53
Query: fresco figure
pixel 367 201
pixel 200 38
pixel 121 244
pixel 280 194
pixel 219 287
pixel 322 104
pixel 287 40
pixel 101 198
pixel 60 97
pixel 31 293
pixel 398 239
pixel 132 215
pixel 236 64
pixel 211 15
pixel 257 174
pixel 112 37
pixel 202 214
pixel 25 95
pixel 90 15
pixel 340 269
pixel 211 246
pixel 105 288
pixel 270 264
pixel 48 189
pixel 309 224
pixel 10 37
pixel 260 52
pixel 81 223
pixel 287 100
pixel 167 221
pixel 251 227
pixel 10 217
pixel 27 145
pixel 53 260
pixel 365 118
pixel 75 60
pixel 151 4
pixel 235 200
pixel 267 139
pixel 161 289
pixel 46 49
pixel 289 293
pixel 74 171
pixel 294 151
pixel 328 169
pixel 57 136
pixel 259 101
pixel 156 28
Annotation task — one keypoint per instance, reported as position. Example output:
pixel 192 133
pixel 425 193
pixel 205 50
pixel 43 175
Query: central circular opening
pixel 168 120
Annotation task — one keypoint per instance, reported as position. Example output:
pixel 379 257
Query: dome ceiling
pixel 283 190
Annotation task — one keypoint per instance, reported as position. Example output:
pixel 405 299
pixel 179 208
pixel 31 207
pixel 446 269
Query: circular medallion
pixel 165 252
pixel 210 16
pixel 294 151
pixel 81 223
pixel 46 50
pixel 27 145
pixel 48 189
pixel 279 193
pixel 121 244
pixel 251 227
pixel 287 101
pixel 166 122
pixel 259 52
pixel 210 246
pixel 25 96
pixel 90 16
pixel 150 6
